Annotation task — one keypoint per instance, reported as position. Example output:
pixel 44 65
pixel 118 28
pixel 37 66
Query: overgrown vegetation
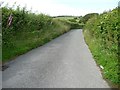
pixel 27 31
pixel 74 21
pixel 101 34
pixel 85 18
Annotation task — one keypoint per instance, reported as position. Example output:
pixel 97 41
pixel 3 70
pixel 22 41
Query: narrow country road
pixel 65 62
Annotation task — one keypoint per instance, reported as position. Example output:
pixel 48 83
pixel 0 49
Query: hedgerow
pixel 27 30
pixel 101 34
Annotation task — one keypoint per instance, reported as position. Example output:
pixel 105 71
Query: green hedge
pixel 101 34
pixel 27 31
pixel 75 24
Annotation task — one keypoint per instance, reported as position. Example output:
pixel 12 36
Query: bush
pixel 74 24
pixel 88 16
pixel 27 31
pixel 101 34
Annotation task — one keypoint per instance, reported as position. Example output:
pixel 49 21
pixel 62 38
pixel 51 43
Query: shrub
pixel 27 31
pixel 101 34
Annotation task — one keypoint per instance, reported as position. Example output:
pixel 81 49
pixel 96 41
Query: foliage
pixel 27 31
pixel 88 16
pixel 101 34
pixel 73 21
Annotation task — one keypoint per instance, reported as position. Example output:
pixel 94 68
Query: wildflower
pixel 10 20
pixel 101 67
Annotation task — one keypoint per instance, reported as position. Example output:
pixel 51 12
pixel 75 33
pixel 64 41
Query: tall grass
pixel 101 34
pixel 27 31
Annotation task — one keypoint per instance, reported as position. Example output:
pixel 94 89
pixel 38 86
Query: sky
pixel 65 7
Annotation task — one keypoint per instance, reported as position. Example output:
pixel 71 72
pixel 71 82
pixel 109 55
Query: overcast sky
pixel 66 7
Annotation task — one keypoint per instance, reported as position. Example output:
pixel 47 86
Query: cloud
pixel 61 7
pixel 50 7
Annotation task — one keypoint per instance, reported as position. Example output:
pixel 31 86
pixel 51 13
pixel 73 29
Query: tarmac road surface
pixel 65 62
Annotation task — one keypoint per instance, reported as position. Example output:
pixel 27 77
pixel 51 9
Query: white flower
pixel 101 67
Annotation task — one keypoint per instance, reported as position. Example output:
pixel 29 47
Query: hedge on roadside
pixel 101 34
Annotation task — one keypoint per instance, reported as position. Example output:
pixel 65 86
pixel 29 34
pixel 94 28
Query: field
pixel 74 21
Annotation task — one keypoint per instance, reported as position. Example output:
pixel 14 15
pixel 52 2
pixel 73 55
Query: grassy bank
pixel 101 35
pixel 27 31
pixel 74 21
